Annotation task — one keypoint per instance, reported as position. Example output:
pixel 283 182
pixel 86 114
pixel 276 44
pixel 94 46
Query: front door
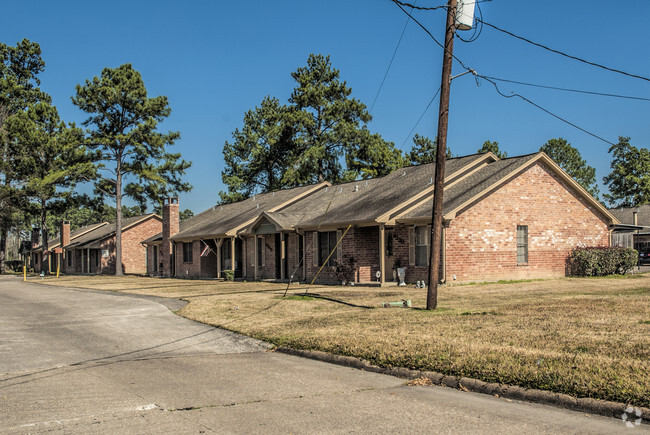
pixel 391 273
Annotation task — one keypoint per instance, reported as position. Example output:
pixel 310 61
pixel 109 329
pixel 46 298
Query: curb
pixel 592 406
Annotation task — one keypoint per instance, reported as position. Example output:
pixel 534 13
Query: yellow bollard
pixel 24 273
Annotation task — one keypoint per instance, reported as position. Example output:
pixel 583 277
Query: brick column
pixel 170 227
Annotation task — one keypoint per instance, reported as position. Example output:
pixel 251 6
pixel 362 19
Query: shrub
pixel 345 268
pixel 601 261
pixel 229 275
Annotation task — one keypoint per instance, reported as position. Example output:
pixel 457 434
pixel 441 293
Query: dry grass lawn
pixel 580 336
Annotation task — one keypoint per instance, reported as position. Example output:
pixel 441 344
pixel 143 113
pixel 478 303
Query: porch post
pixel 88 260
pixel 283 258
pixel 382 253
pixel 218 242
pixel 255 256
pixel 232 255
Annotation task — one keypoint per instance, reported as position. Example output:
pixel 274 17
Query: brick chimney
pixel 36 237
pixel 65 233
pixel 170 226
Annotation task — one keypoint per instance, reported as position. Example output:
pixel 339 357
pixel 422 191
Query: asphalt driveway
pixel 75 361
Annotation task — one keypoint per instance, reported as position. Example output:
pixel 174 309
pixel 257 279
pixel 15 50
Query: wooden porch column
pixel 255 256
pixel 382 253
pixel 218 243
pixel 283 259
pixel 232 255
pixel 88 260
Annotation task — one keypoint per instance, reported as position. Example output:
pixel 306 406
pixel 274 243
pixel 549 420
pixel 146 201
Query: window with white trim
pixel 421 246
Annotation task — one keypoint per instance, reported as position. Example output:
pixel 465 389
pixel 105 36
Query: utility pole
pixel 439 186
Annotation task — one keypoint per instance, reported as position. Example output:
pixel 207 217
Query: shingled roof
pixel 626 215
pixel 56 241
pixel 371 201
pixel 469 189
pixel 107 230
pixel 227 219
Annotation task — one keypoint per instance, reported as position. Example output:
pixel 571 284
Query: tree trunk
pixel 118 219
pixel 4 232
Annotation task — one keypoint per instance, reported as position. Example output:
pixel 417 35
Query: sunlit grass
pixel 585 337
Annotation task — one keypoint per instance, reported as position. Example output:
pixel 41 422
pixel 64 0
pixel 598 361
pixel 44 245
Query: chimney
pixel 635 217
pixel 65 233
pixel 170 227
pixel 36 237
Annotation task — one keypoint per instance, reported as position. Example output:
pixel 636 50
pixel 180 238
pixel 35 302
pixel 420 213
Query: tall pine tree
pixel 124 122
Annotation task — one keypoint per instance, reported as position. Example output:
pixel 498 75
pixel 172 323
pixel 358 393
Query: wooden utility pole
pixel 443 116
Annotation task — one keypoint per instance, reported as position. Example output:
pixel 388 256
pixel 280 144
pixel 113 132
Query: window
pixel 187 252
pixel 226 264
pixel 522 244
pixel 326 242
pixel 421 246
pixel 260 251
pixel 70 257
pixel 155 258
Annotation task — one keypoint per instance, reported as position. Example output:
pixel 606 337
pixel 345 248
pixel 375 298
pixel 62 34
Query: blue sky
pixel 215 60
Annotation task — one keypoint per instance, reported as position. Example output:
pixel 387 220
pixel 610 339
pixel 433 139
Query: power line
pixel 372 106
pixel 419 8
pixel 568 89
pixel 399 5
pixel 562 53
pixel 420 118
pixel 544 110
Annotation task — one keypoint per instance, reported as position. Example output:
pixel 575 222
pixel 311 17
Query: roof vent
pixel 341 189
pixel 403 173
pixel 430 180
pixel 258 206
pixel 366 183
pixel 356 188
pixel 326 189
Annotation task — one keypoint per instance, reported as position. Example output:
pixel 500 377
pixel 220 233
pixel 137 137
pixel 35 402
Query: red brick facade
pixel 134 255
pixel 481 242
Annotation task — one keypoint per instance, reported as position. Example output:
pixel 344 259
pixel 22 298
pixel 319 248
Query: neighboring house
pixel 94 251
pixel 634 229
pixel 502 219
pixel 56 256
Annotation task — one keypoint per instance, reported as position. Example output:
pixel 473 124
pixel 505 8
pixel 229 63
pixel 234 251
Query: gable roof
pixel 480 184
pixel 56 241
pixel 371 201
pixel 227 219
pixel 107 230
pixel 626 215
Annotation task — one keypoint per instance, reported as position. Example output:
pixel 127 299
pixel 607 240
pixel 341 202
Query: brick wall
pixel 481 242
pixel 361 243
pixel 188 270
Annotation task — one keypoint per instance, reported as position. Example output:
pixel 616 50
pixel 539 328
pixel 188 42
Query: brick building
pixel 503 219
pixel 93 252
pixel 55 256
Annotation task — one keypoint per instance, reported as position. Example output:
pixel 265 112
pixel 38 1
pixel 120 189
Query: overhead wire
pixel 563 53
pixel 522 38
pixel 514 94
pixel 580 91
pixel 401 4
pixel 372 106
pixel 420 119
